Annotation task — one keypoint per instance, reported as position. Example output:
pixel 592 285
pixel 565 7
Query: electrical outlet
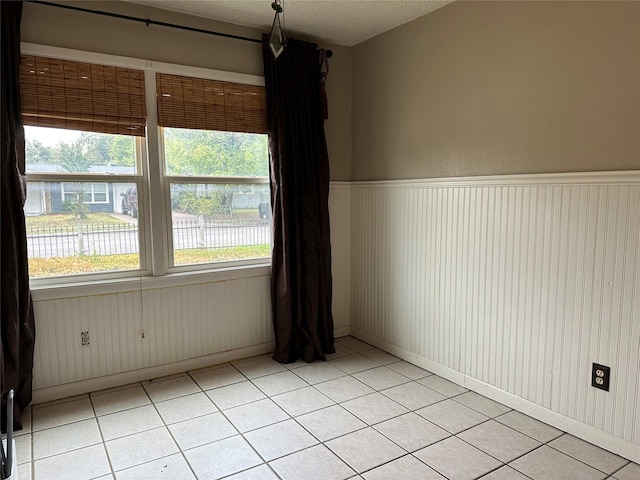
pixel 600 376
pixel 84 339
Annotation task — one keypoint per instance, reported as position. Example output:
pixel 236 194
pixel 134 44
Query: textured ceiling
pixel 342 22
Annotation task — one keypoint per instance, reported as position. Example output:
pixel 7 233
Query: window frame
pixel 153 185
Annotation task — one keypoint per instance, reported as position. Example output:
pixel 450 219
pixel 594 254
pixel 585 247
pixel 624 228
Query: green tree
pixel 98 147
pixel 37 152
pixel 73 157
pixel 123 151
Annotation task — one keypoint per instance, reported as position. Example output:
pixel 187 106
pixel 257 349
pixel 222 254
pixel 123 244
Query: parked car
pixel 130 202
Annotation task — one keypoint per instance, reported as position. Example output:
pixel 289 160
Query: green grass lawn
pixel 49 267
pixel 68 220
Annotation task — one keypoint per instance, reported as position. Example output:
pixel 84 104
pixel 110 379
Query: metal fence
pixel 113 239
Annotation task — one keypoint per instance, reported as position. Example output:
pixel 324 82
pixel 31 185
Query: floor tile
pixel 354 344
pixel 374 408
pixel 185 408
pixel 529 426
pixel 165 389
pixel 354 363
pixel 413 395
pixel 255 415
pixel 280 439
pixel 440 385
pixel 380 378
pixel 588 453
pixel 383 358
pixel 23 448
pixel 84 464
pixel 277 383
pixel 330 422
pixel 409 370
pixel 341 351
pixel 261 472
pixel 452 416
pixel 219 459
pixel 171 467
pixel 61 414
pixel 301 401
pixel 505 473
pixel 457 460
pixel 499 441
pixel 319 372
pixel 482 404
pixel 411 431
pixel 235 394
pixel 128 422
pixel 545 463
pixel 315 463
pixel 57 440
pixel 365 449
pixel 140 448
pixel 343 389
pixel 260 366
pixel 24 471
pixel 630 472
pixel 201 430
pixel 116 401
pixel 404 468
pixel 217 377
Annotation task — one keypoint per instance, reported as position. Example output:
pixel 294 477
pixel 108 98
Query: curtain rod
pixel 146 21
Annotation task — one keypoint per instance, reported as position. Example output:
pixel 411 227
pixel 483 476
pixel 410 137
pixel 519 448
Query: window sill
pixel 135 284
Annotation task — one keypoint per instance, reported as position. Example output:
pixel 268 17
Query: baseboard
pixel 100 383
pixel 590 434
pixel 341 331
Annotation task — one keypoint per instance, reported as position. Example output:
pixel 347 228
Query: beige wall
pixel 83 31
pixel 479 88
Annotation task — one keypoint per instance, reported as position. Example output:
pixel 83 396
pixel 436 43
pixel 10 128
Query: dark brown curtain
pixel 299 168
pixel 18 333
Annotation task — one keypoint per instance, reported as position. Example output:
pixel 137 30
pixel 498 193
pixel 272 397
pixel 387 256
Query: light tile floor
pixel 364 414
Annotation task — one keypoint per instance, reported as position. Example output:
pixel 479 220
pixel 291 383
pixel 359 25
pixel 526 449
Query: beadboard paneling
pixel 519 282
pixel 180 322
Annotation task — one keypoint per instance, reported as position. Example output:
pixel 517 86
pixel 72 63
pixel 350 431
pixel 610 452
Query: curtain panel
pixel 301 285
pixel 18 331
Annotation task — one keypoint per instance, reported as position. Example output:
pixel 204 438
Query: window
pixel 216 170
pixel 97 204
pixel 85 192
pixel 83 147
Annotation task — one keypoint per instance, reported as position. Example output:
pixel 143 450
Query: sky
pixel 50 136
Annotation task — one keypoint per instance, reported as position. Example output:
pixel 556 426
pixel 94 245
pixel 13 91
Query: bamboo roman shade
pixel 186 102
pixel 82 96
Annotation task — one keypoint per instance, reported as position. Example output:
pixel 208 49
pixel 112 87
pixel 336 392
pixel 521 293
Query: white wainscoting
pixel 512 285
pixel 186 325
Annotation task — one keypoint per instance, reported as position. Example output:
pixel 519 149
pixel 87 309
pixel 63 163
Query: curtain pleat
pixel 301 285
pixel 18 330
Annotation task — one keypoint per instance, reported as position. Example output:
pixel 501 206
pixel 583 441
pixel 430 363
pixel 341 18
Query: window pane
pixel 218 223
pixel 221 154
pixel 68 235
pixel 61 150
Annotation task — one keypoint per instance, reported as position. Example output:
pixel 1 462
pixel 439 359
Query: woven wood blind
pixel 82 96
pixel 185 102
